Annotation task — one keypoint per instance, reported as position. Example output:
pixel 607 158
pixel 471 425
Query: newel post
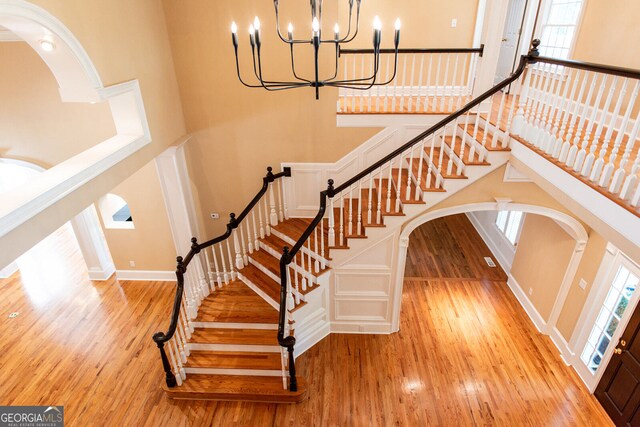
pixel 273 215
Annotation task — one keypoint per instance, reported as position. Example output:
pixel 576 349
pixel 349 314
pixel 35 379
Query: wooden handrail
pixel 589 66
pixel 479 50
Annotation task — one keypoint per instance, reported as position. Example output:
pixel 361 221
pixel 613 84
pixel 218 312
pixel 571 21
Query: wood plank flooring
pixel 466 355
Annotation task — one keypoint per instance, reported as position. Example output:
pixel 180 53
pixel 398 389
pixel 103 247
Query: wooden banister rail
pixel 161 338
pixel 479 50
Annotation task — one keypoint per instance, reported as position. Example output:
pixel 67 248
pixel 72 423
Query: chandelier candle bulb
pixel 234 34
pixel 290 29
pixel 397 37
pixel 336 31
pixel 315 25
pixel 252 33
pixel 256 27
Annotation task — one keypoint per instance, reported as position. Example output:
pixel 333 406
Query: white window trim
pixel 545 8
pixel 612 259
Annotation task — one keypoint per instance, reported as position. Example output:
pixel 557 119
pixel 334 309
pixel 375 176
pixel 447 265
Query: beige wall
pixel 609 32
pixel 589 264
pixel 149 244
pixel 541 261
pixel 238 132
pixel 125 40
pixel 35 124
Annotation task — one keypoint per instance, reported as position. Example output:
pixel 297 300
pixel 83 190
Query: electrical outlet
pixel 530 291
pixel 454 23
pixel 215 215
pixel 132 263
pixel 582 284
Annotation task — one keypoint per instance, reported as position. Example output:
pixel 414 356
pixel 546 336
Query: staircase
pixel 252 292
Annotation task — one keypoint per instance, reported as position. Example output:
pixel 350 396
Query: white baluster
pixel 212 286
pixel 279 199
pixel 322 245
pixel 409 172
pixel 431 161
pixel 494 140
pixel 256 242
pixel 571 112
pixel 546 137
pixel 370 200
pixel 589 159
pixel 379 194
pixel 627 192
pixel 428 87
pixel 236 244
pixel 309 263
pixel 420 84
pixel 215 264
pixel 245 258
pixel 573 151
pixel 399 189
pixel 404 83
pixel 413 65
pixel 350 225
pixel 616 182
pixel 316 263
pixel 386 89
pixel 395 90
pixel 291 304
pixel 267 227
pixel 332 232
pixel 368 92
pixel 227 277
pixel 359 213
pixel 362 76
pixel 234 274
pixel 303 271
pixel 555 138
pixel 446 75
pixel 342 242
pixel 389 184
pixel 453 82
pixel 441 157
pixel 582 153
pixel 435 93
pixel 421 161
pixel 607 172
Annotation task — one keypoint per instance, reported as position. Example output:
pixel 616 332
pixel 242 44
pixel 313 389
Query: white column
pixel 93 244
pixel 178 200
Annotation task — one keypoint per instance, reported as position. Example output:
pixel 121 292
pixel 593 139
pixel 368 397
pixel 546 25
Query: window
pixel 509 223
pixel 559 27
pixel 615 304
pixel 115 212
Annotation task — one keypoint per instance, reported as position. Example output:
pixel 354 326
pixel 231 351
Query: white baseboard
pixel 100 275
pixel 527 305
pixel 566 354
pixel 147 275
pixel 360 328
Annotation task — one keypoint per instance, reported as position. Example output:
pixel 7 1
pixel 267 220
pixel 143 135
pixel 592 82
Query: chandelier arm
pixel 293 67
pixel 335 73
pixel 357 25
pixel 274 85
pixel 355 82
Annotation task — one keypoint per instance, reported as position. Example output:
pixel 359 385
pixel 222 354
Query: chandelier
pixel 316 41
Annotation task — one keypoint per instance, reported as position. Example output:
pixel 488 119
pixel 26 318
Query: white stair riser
pixel 229 325
pixel 243 372
pixel 250 348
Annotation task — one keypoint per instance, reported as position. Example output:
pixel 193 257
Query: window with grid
pixel 559 28
pixel 509 223
pixel 610 316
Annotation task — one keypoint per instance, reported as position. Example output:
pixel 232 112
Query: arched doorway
pixel 572 226
pixel 78 81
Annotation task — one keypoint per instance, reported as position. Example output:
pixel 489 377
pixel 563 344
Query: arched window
pixel 115 212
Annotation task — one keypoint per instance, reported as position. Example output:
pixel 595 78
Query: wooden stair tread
pixel 237 388
pixel 445 160
pixel 275 242
pixel 480 137
pixel 457 149
pixel 233 360
pixel 236 303
pixel 423 179
pixel 234 336
pixel 395 173
pixel 262 281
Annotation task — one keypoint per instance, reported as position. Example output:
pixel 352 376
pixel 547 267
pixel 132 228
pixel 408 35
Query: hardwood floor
pixel 466 355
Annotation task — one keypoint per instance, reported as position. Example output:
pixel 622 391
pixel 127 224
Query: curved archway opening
pixel 78 81
pixel 78 247
pixel 570 225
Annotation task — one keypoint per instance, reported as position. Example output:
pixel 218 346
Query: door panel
pixel 510 38
pixel 619 389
